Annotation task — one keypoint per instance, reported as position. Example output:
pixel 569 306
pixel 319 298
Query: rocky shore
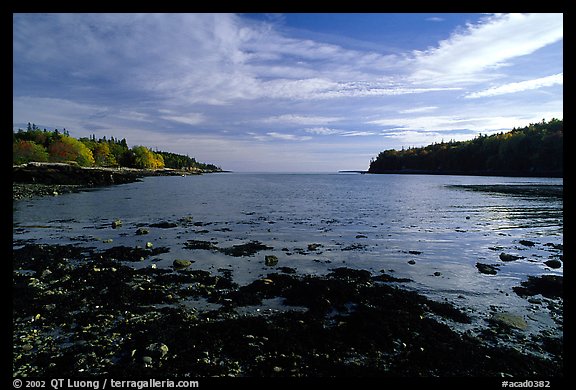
pixel 80 312
pixel 43 179
pixel 23 191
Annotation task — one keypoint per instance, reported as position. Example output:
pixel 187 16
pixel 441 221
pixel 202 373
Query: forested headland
pixel 36 145
pixel 534 150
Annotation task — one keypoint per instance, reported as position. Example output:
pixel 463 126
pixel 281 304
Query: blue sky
pixel 286 92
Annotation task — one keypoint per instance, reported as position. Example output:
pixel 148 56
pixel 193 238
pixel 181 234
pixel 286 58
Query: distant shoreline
pixel 465 173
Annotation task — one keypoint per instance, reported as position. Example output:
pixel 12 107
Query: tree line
pixel 38 145
pixel 534 150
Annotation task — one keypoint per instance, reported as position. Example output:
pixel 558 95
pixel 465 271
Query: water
pixel 431 229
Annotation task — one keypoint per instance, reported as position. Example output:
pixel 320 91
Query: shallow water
pixel 431 229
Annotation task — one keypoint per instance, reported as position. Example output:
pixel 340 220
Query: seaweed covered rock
pixel 549 286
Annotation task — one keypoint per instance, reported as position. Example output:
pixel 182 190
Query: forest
pixel 534 150
pixel 38 145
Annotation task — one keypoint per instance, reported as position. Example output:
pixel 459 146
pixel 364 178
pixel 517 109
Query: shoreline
pixel 50 179
pixel 554 174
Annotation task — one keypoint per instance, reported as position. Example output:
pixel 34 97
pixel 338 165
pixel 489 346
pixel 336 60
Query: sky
pixel 286 92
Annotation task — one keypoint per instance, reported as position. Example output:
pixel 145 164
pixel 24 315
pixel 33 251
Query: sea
pixel 431 229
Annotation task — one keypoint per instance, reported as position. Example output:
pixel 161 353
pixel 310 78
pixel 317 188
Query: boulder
pixel 509 320
pixel 487 268
pixel 270 260
pixel 553 263
pixel 314 247
pixel 509 257
pixel 181 263
pixel 550 286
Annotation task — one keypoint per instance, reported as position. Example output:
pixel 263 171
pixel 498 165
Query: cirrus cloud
pixel 526 85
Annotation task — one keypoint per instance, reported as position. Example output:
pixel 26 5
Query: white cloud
pixel 472 55
pixel 189 119
pixel 556 79
pixel 435 19
pixel 322 131
pixel 301 119
pixel 452 122
pixel 273 135
pixel 418 110
pixel 357 133
pixel 339 132
pixel 288 137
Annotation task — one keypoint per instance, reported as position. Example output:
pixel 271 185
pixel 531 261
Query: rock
pixel 149 245
pixel 487 268
pixel 354 247
pixel 509 320
pixel 116 224
pixel 70 174
pixel 270 260
pixel 555 246
pixel 345 273
pixel 411 262
pixel 181 263
pixel 142 231
pixel 509 257
pixel 157 350
pixel 526 243
pixel 287 270
pixel 383 277
pixel 27 347
pixel 437 273
pixel 147 360
pixel 415 252
pixel 314 247
pixel 553 263
pixel 247 249
pixel 550 286
pixel 164 225
pixel 196 244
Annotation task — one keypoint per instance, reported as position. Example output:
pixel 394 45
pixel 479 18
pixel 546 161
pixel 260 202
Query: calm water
pixel 373 222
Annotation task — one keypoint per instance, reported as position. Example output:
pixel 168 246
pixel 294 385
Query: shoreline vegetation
pixel 535 150
pixel 52 162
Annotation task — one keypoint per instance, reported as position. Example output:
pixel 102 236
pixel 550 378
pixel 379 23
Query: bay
pixel 430 229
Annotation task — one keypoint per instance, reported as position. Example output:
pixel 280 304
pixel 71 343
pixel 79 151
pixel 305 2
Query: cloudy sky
pixel 286 92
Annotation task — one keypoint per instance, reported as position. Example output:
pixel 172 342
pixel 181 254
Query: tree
pixel 102 155
pixel 70 149
pixel 26 151
pixel 34 144
pixel 532 150
pixel 144 158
